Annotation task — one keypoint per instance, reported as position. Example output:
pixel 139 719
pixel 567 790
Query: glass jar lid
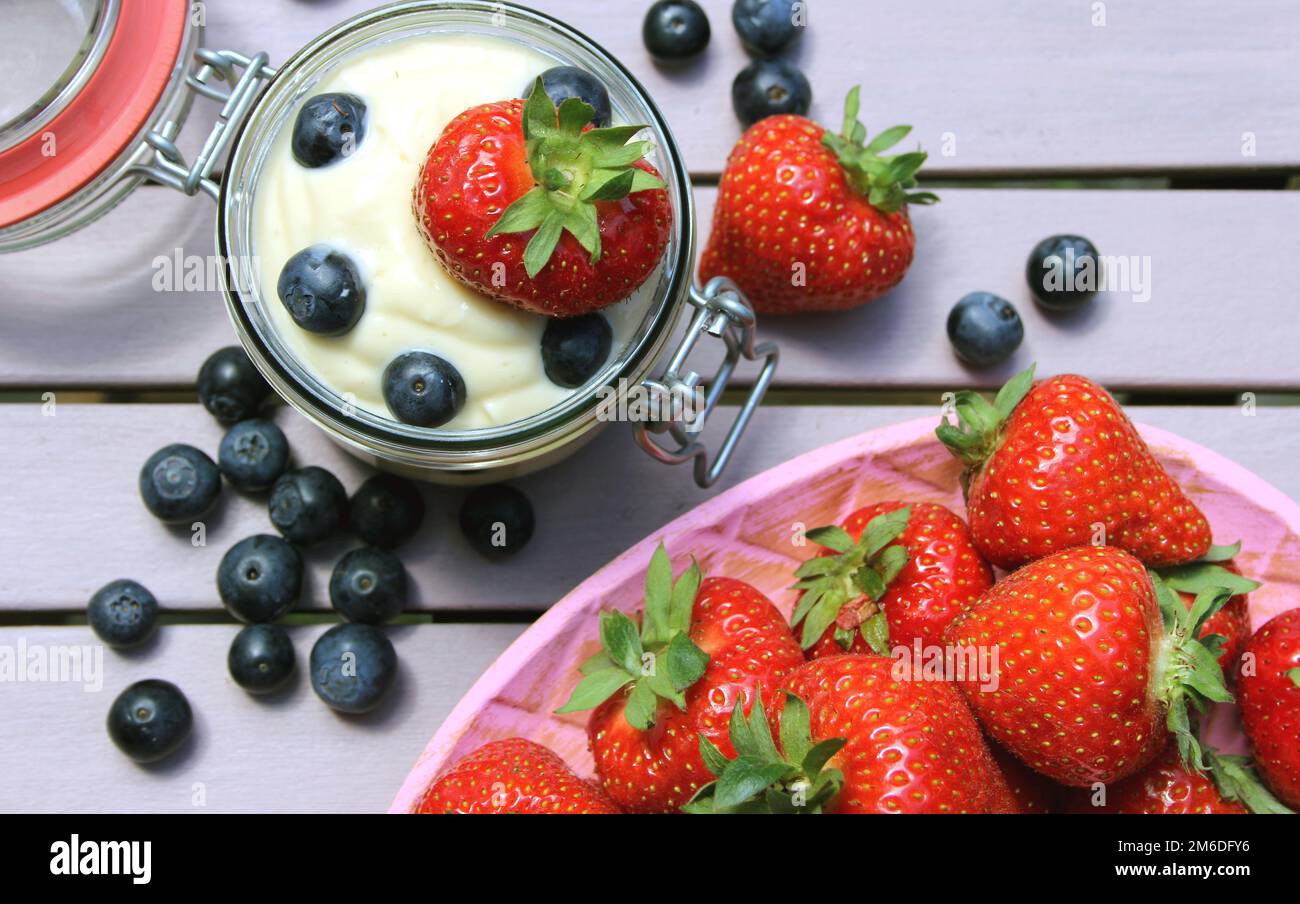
pixel 83 80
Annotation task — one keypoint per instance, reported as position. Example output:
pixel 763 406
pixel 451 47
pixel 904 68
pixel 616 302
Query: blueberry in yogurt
pixel 574 348
pixel 564 82
pixel 322 290
pixel 178 483
pixel 329 127
pixel 423 389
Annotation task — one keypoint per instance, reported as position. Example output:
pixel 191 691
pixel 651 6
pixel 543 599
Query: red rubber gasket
pixel 105 116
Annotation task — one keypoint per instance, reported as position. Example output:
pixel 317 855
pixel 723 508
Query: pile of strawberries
pixel 1109 634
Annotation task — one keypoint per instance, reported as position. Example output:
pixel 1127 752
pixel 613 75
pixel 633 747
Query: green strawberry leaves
pixel 763 779
pixel 857 569
pixel 1237 780
pixel 658 659
pixel 1199 576
pixel 1188 676
pixel 573 170
pixel 975 436
pixel 886 182
pixel 1294 676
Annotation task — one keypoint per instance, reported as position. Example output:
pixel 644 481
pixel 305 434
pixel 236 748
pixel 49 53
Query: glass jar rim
pixel 544 429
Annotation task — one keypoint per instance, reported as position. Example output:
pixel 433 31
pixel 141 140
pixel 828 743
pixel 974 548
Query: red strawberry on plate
pixel 703 648
pixel 513 776
pixel 1059 464
pixel 1269 685
pixel 531 206
pixel 893 574
pixel 1097 664
pixel 1230 786
pixel 806 220
pixel 852 738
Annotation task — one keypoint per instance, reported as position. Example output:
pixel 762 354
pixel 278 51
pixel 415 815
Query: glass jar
pixel 261 100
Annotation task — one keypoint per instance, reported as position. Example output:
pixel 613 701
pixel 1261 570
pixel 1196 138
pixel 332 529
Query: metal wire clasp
pixel 722 312
pixel 168 165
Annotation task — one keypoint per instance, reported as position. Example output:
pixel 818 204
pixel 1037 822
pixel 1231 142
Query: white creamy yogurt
pixel 362 206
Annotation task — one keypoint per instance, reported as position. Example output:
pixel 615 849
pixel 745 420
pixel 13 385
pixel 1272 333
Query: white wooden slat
pixel 1012 86
pixel 288 752
pixel 76 521
pixel 83 311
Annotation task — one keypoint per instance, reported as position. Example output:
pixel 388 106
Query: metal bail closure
pixel 723 313
pixel 168 166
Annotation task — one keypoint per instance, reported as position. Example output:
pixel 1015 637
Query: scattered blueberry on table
pixel 984 329
pixel 322 290
pixel 123 613
pixel 261 658
pixel 564 82
pixel 352 667
pixel 497 520
pixel 368 586
pixel 768 26
pixel 422 389
pixel 675 30
pixel 386 510
pixel 308 505
pixel 260 578
pixel 230 386
pixel 575 348
pixel 329 127
pixel 150 720
pixel 768 88
pixel 253 454
pixel 179 483
pixel 1063 271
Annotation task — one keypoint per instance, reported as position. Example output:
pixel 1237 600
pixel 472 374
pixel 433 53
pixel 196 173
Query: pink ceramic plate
pixel 748 533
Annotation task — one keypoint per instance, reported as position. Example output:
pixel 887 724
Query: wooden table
pixel 1164 134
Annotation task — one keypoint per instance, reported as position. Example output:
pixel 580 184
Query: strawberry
pixel 598 214
pixel 1169 787
pixel 1269 685
pixel 703 648
pixel 1096 659
pixel 513 776
pixel 893 574
pixel 855 739
pixel 806 220
pixel 1058 465
pixel 1231 624
pixel 1027 791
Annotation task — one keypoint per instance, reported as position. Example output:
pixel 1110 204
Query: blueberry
pixel 150 720
pixel 1063 271
pixel 322 290
pixel 767 88
pixel 767 26
pixel 497 520
pixel 984 329
pixel 261 658
pixel 423 389
pixel 386 511
pixel 574 348
pixel 329 127
pixel 122 613
pixel 352 667
pixel 253 454
pixel 230 387
pixel 178 483
pixel 260 578
pixel 675 30
pixel 564 82
pixel 308 505
pixel 368 586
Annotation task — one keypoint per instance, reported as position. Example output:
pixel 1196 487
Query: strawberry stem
pixel 978 431
pixel 886 182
